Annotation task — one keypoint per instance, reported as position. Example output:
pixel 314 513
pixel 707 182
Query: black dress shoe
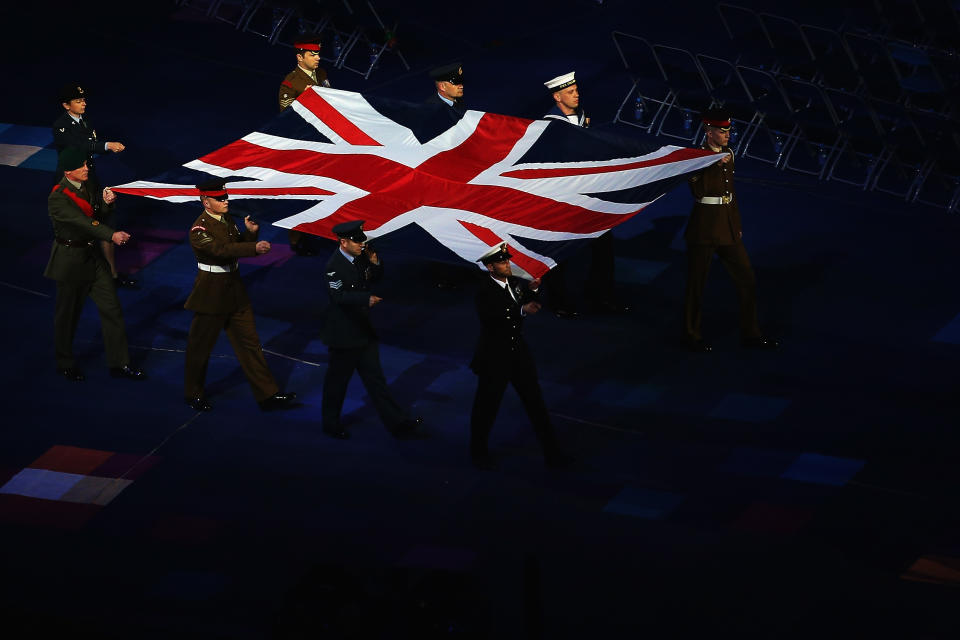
pixel 302 250
pixel 71 373
pixel 126 371
pixel 409 430
pixel 484 462
pixel 557 459
pixel 337 432
pixel 198 404
pixel 699 346
pixel 278 401
pixel 759 342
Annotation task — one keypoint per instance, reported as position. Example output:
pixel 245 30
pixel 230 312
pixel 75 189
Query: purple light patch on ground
pixel 146 246
pixel 279 254
pixel 644 503
pixel 41 483
pixel 817 469
pixel 438 558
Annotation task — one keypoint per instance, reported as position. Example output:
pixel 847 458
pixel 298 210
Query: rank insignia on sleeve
pixel 336 284
pixel 62 129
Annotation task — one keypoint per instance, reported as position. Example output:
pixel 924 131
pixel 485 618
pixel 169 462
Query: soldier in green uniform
pixel 219 301
pixel 77 264
pixel 306 74
pixel 714 228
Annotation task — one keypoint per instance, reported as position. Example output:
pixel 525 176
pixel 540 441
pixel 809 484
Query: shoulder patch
pixel 330 274
pixel 201 228
pixel 94 222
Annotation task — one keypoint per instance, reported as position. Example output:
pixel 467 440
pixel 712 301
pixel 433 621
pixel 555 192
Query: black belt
pixel 75 243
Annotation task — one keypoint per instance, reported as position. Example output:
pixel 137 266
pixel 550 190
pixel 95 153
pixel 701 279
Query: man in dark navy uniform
pixel 78 266
pixel 219 301
pixel 448 81
pixel 600 280
pixel 502 357
pixel 306 74
pixel 714 228
pixel 74 129
pixel 350 337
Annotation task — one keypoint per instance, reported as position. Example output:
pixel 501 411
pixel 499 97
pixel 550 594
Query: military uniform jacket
pixel 347 324
pixel 501 345
pixel 82 229
pixel 556 114
pixel 297 82
pixel 715 224
pixel 219 243
pixel 67 132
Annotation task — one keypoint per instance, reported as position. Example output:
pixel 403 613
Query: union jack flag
pixel 541 186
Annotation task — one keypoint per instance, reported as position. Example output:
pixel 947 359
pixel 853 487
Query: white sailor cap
pixel 561 82
pixel 496 253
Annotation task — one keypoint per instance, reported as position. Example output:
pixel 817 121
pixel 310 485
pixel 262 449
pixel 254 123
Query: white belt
pixel 727 199
pixel 215 268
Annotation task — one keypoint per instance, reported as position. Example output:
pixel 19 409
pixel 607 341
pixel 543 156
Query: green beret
pixel 72 158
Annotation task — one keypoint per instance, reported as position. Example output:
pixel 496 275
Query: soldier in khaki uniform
pixel 219 301
pixel 77 264
pixel 306 74
pixel 714 228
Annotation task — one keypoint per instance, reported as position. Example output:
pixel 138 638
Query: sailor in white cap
pixel 600 280
pixel 566 98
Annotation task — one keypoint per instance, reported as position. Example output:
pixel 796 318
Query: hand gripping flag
pixel 543 187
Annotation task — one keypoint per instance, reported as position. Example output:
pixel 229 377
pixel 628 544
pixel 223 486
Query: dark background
pixel 780 494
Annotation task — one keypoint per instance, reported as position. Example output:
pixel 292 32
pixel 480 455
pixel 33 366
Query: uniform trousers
pixel 242 332
pixel 486 404
pixel 365 361
pixel 737 264
pixel 68 306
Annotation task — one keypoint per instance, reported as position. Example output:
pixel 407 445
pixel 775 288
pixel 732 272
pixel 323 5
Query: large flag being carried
pixel 543 187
